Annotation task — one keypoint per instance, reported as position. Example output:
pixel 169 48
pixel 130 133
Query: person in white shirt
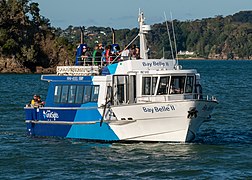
pixel 125 53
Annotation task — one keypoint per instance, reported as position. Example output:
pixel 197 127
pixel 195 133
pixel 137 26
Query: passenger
pixel 125 53
pixel 39 102
pixel 108 54
pixel 84 49
pixel 85 56
pixel 100 47
pixel 89 55
pixel 34 100
pixel 132 52
pixel 97 54
pixel 175 90
pixel 137 53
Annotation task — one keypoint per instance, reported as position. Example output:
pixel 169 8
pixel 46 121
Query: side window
pixel 76 94
pixel 177 85
pixel 64 93
pixel 146 86
pixel 163 85
pixel 189 84
pixel 95 93
pixel 87 94
pixel 71 94
pixel 57 92
pixel 79 94
pixel 149 85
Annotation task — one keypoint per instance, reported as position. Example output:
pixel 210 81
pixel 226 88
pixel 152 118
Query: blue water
pixel 222 150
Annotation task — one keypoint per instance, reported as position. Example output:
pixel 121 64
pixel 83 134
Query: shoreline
pixel 214 59
pixel 9 66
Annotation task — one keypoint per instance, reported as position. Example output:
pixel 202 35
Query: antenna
pixel 169 35
pixel 174 37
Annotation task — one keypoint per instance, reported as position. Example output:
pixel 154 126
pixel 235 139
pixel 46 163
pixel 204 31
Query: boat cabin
pixel 135 83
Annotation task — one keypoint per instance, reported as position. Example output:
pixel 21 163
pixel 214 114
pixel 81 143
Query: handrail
pixel 77 70
pixel 87 61
pixel 90 61
pixel 168 97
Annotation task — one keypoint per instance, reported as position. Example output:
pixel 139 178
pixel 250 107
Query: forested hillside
pixel 28 39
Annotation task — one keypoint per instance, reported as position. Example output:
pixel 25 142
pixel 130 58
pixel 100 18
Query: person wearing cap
pixel 34 100
pixel 85 55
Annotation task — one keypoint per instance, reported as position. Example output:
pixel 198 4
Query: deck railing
pixel 88 66
pixel 77 70
pixel 100 60
pixel 169 97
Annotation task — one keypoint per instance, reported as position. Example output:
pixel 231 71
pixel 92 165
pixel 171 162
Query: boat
pixel 126 100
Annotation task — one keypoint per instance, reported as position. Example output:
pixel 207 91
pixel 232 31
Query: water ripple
pixel 222 149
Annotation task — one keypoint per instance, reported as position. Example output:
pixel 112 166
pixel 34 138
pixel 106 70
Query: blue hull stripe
pixel 81 131
pixel 90 131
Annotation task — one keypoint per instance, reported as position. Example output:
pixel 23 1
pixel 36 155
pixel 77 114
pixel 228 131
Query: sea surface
pixel 222 150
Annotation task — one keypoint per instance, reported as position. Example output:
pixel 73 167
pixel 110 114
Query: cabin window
pixel 149 85
pixel 79 94
pixel 57 94
pixel 87 94
pixel 76 94
pixel 64 94
pixel 146 90
pixel 189 84
pixel 163 85
pixel 120 89
pixel 177 84
pixel 71 93
pixel 95 93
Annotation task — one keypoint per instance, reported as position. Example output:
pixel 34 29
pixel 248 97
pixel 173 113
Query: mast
pixel 82 34
pixel 143 30
pixel 113 36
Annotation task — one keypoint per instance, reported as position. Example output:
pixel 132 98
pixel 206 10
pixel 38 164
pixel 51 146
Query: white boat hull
pixel 164 122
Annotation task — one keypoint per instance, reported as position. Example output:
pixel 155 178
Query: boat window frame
pixel 167 86
pixel 79 94
pixel 120 89
pixel 94 96
pixel 57 94
pixel 192 84
pixel 64 93
pixel 71 94
pixel 153 86
pixel 173 89
pixel 64 90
